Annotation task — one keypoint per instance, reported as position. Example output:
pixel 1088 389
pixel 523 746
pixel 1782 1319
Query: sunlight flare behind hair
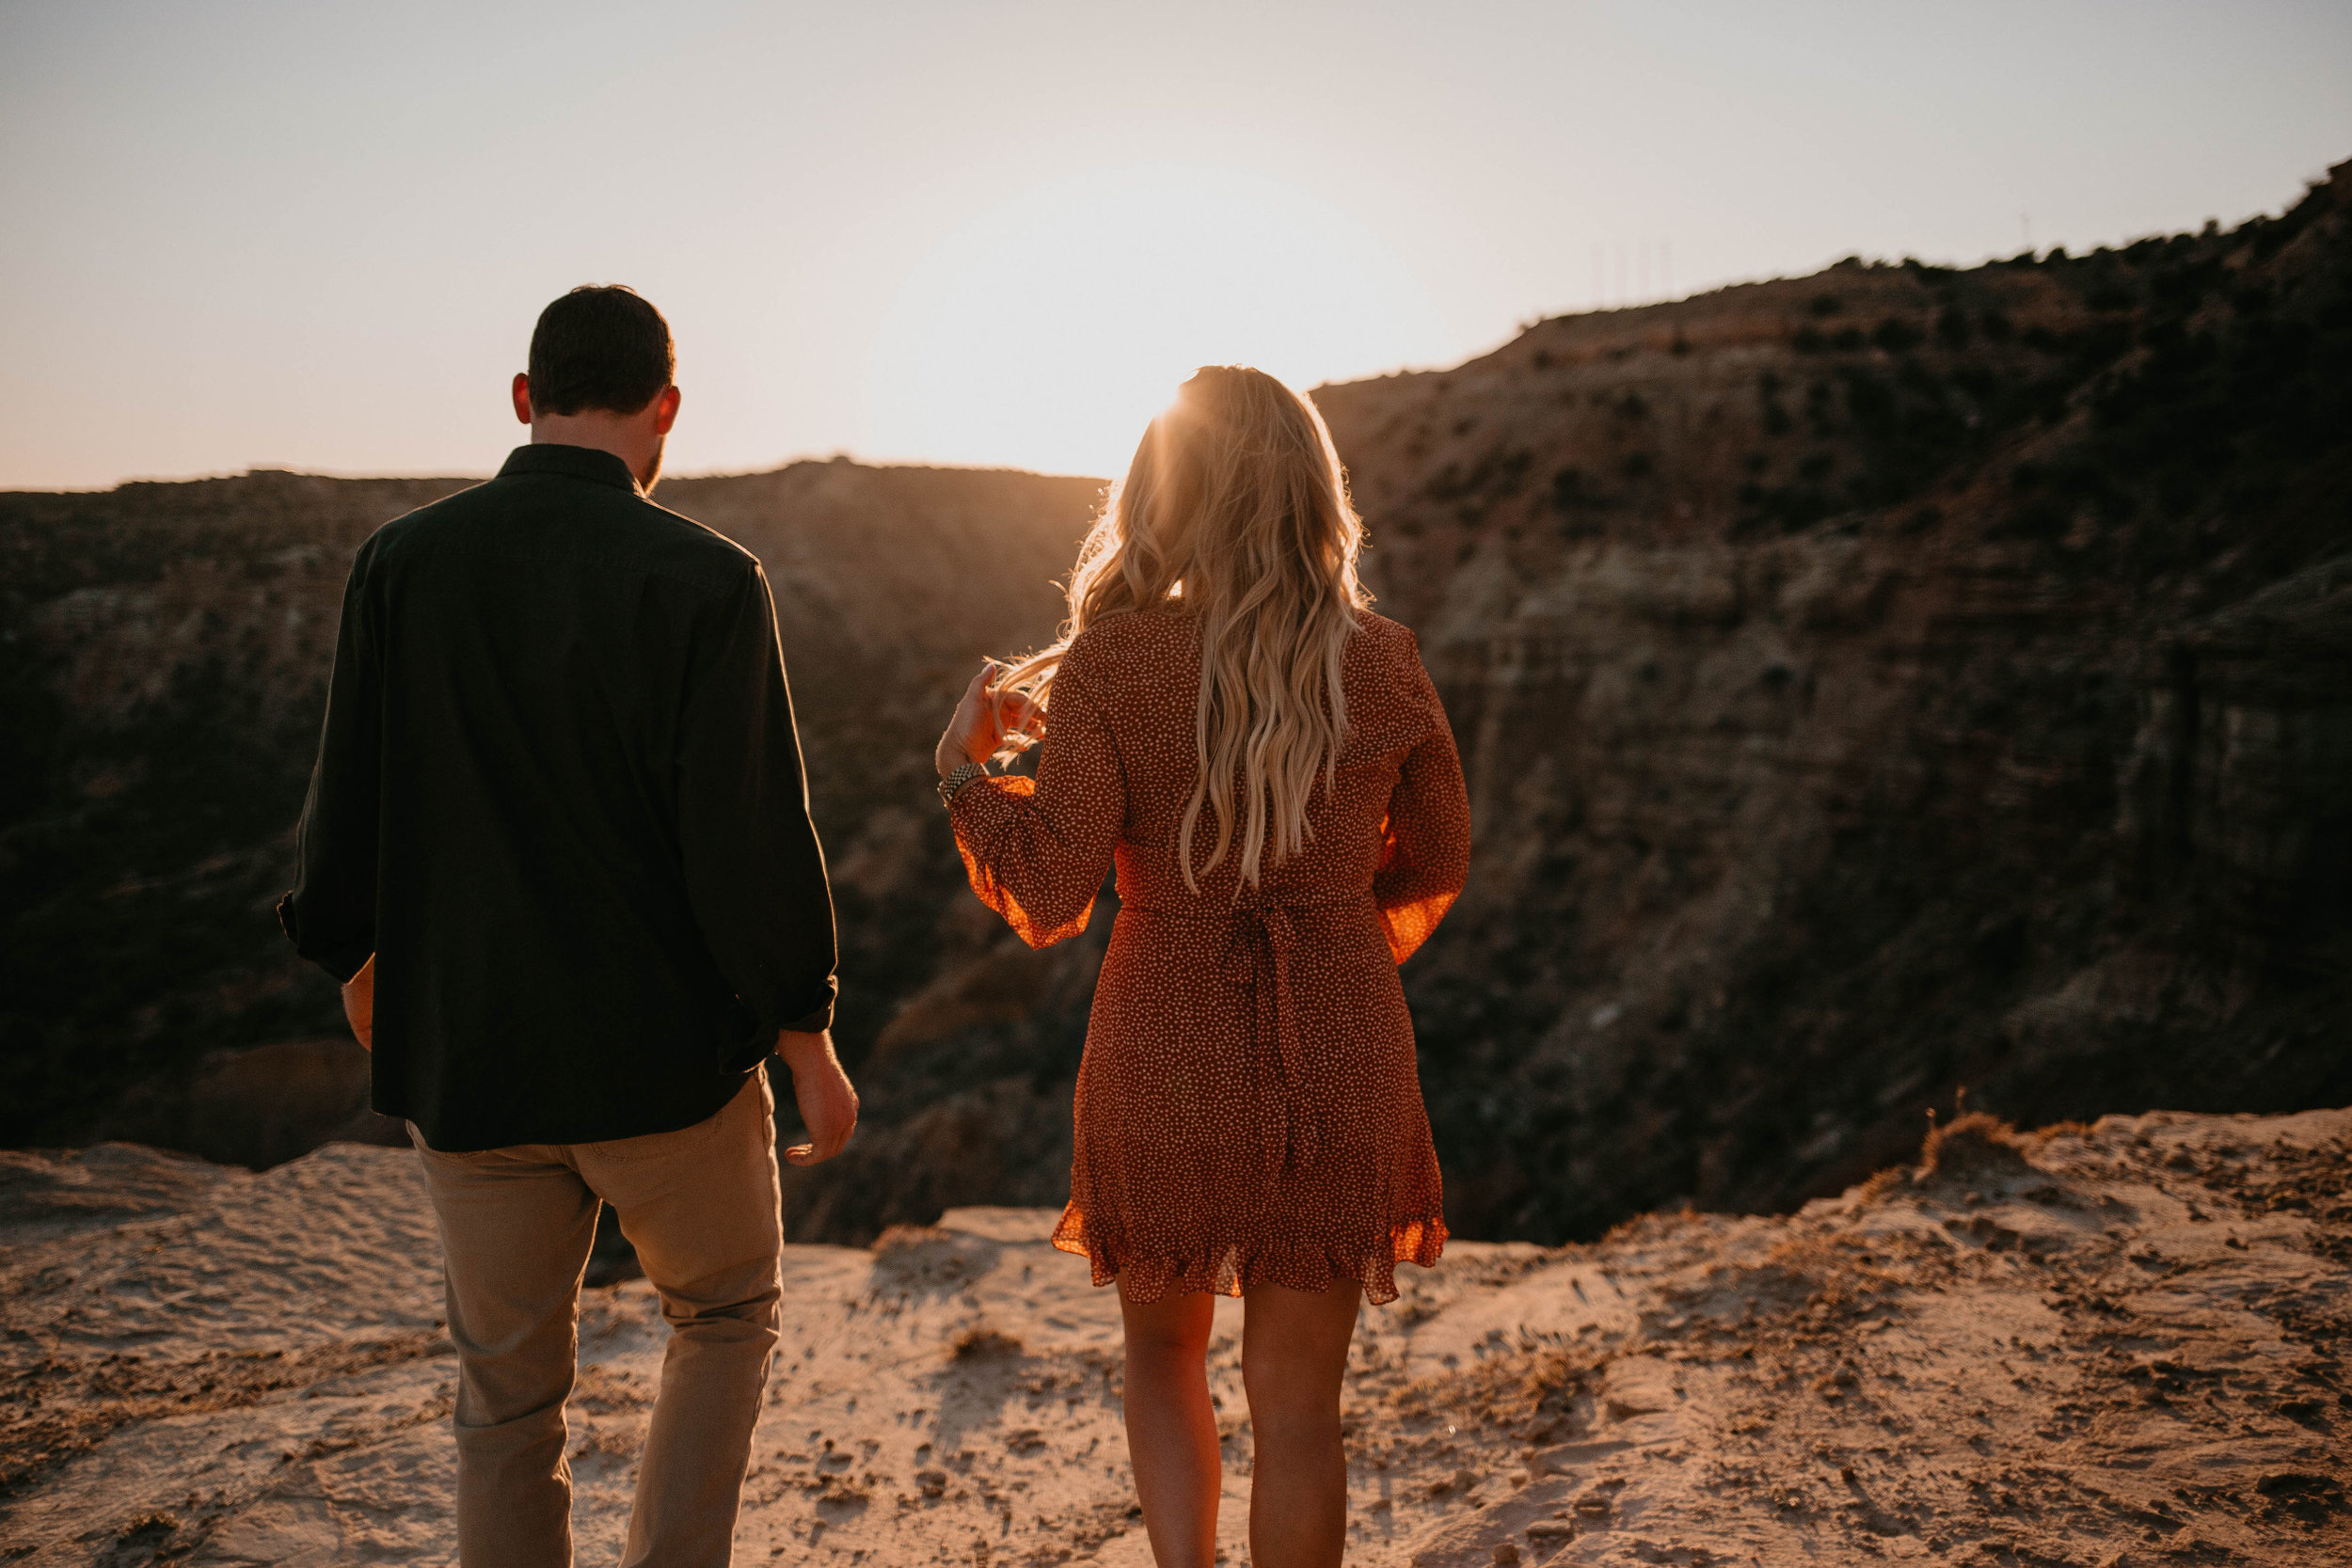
pixel 1236 512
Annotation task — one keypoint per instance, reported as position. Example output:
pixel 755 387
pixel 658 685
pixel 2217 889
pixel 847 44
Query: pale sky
pixel 315 234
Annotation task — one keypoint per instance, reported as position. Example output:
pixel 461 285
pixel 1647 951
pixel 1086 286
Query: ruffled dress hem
pixel 1231 1267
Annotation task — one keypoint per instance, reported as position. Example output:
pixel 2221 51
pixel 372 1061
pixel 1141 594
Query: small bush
pixel 986 1344
pixel 1895 335
pixel 1973 1145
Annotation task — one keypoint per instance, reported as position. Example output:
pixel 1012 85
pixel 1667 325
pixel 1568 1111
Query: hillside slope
pixel 1877 684
pixel 164 653
pixel 1873 685
pixel 1876 689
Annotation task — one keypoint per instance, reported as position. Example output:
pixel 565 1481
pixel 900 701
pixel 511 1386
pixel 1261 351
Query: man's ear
pixel 522 396
pixel 665 410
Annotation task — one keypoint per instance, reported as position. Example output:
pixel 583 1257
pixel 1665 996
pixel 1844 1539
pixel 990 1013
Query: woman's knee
pixel 1167 1347
pixel 1170 1331
pixel 1290 1395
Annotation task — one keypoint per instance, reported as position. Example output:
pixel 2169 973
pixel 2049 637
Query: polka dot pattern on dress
pixel 1247 1109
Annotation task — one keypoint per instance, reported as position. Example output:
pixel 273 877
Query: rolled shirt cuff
pixel 817 1018
pixel 762 1042
pixel 812 1023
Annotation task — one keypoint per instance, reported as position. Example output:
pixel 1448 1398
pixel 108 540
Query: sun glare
pixel 1045 333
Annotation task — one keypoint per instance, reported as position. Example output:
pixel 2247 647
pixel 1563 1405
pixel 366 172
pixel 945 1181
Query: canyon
pixel 1895 689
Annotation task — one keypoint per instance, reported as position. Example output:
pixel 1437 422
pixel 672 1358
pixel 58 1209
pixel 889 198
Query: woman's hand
pixel 982 719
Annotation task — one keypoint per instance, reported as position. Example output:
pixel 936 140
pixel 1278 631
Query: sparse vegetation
pixel 2053 495
pixel 2062 484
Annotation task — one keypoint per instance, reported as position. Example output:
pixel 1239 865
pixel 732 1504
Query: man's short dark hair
pixel 600 346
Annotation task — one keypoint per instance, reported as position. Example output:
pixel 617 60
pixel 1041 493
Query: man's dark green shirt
pixel 558 796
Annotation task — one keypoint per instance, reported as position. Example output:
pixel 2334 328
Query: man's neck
pixel 625 436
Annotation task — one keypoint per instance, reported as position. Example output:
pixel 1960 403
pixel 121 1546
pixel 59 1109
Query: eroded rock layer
pixel 1877 684
pixel 1873 686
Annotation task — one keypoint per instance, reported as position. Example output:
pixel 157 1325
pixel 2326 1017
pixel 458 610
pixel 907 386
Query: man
pixel 557 847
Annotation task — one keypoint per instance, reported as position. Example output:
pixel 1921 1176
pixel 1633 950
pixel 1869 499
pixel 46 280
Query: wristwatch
pixel 957 780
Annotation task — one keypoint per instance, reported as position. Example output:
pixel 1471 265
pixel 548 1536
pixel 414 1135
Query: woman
pixel 1267 765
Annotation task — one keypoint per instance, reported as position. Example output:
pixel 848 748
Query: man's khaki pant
pixel 703 1206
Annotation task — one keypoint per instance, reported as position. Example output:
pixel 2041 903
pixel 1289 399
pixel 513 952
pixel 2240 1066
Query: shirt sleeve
pixel 1426 841
pixel 754 872
pixel 330 914
pixel 1037 850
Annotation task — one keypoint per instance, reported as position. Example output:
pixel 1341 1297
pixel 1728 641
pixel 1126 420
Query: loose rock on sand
pixel 2107 1346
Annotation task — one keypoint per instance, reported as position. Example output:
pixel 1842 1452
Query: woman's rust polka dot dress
pixel 1248 1111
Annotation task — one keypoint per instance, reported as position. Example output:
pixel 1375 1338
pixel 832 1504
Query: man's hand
pixel 828 1104
pixel 359 1004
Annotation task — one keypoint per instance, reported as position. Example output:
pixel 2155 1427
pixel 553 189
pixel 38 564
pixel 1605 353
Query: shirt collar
pixel 590 463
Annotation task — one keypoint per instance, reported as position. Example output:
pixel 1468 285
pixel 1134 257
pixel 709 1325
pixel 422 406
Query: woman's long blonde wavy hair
pixel 1236 512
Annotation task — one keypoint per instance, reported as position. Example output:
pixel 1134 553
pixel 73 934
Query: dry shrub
pixel 986 1344
pixel 1975 1145
pixel 1970 1148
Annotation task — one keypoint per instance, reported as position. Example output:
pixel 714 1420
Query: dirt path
pixel 2110 1346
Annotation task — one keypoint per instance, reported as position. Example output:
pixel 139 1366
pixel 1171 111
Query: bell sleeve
pixel 1037 850
pixel 1426 841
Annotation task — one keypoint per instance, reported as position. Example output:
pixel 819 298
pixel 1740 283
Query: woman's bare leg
pixel 1294 1351
pixel 1171 1429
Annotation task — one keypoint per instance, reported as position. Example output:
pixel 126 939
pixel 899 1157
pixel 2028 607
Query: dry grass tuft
pixel 1971 1149
pixel 1976 1145
pixel 986 1344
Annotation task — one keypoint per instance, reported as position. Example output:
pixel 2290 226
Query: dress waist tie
pixel 1259 960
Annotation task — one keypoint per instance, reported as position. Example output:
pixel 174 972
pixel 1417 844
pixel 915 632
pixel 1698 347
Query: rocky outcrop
pixel 1880 691
pixel 1874 687
pixel 2119 1344
pixel 164 650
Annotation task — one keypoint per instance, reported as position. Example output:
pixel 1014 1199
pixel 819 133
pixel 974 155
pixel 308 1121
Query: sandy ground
pixel 2107 1346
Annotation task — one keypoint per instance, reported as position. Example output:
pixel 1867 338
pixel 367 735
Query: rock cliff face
pixel 164 650
pixel 1878 689
pixel 1876 683
pixel 1872 685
